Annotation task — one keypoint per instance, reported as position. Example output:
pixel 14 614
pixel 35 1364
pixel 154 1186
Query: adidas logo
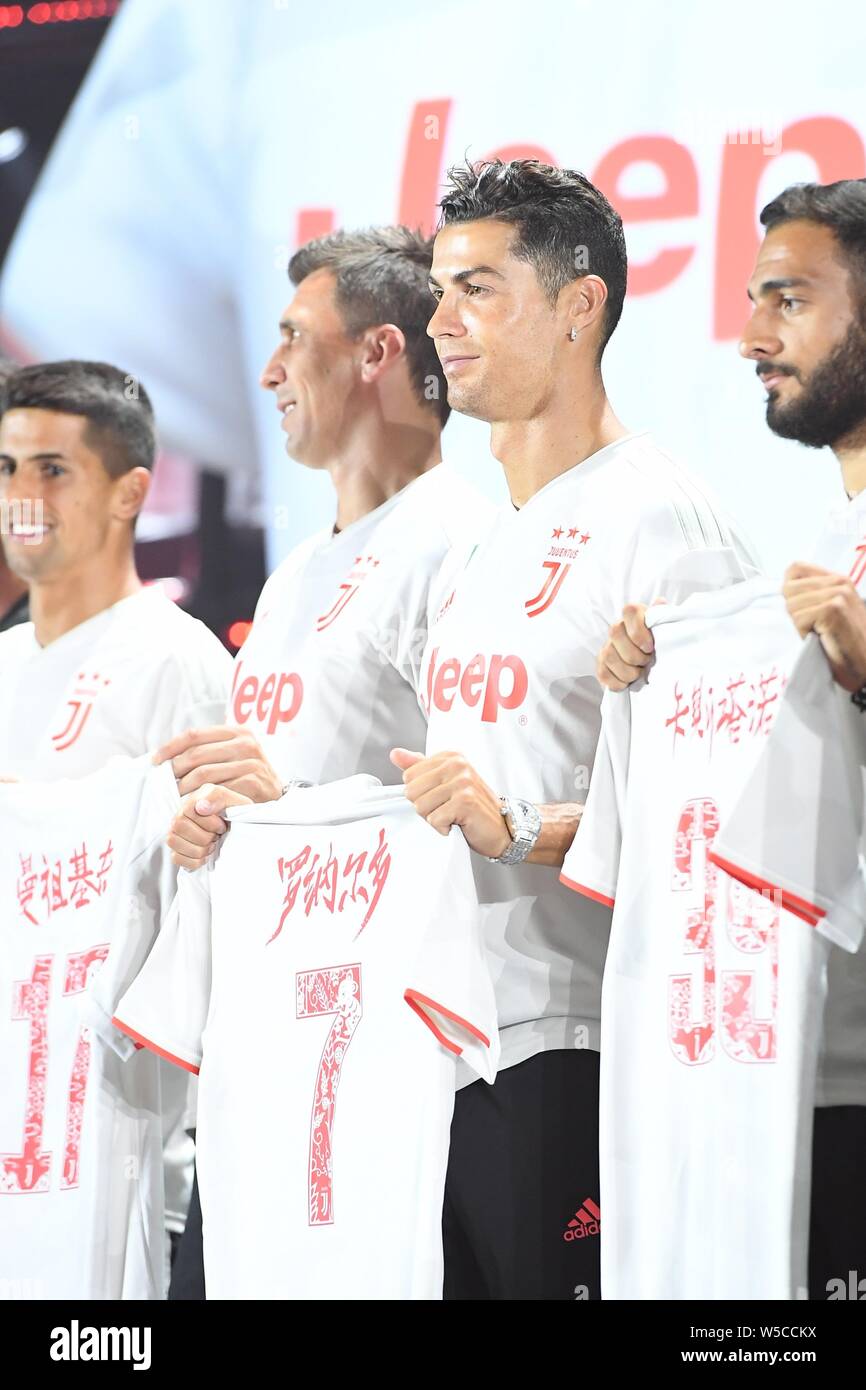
pixel 585 1222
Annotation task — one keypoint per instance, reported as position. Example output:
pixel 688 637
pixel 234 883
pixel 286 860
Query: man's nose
pixel 759 340
pixel 445 321
pixel 273 373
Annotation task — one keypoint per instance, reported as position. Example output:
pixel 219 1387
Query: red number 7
pixel 335 990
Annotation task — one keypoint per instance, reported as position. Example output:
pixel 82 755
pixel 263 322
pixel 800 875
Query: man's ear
pixel 584 303
pixel 130 493
pixel 381 347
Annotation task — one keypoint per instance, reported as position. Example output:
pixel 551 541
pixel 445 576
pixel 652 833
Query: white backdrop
pixel 214 135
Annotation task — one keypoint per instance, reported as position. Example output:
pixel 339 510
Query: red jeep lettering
pixel 277 698
pixel 503 680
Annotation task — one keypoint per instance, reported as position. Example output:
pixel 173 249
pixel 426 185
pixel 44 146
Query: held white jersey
pixel 325 975
pixel 799 825
pixel 510 683
pixel 713 995
pixel 81 1139
pixel 327 679
pixel 122 682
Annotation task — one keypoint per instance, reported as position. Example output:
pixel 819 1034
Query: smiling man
pixel 106 666
pixel 328 677
pixel 529 275
pixel 327 681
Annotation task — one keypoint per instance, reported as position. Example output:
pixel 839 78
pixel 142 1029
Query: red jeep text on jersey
pixel 494 683
pixel 275 700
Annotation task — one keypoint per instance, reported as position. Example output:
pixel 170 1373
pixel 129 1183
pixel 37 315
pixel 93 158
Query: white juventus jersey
pixel 713 996
pixel 81 1139
pixel 324 975
pixel 124 682
pixel 509 682
pixel 799 825
pixel 327 679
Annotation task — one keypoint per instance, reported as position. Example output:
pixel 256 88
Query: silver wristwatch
pixel 526 820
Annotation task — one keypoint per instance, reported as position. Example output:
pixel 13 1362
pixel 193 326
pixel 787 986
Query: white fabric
pixel 81 1133
pixel 713 997
pixel 123 682
pixel 327 679
pixel 339 902
pixel 510 683
pixel 799 825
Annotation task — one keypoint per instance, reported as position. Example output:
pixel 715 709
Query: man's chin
pixel 26 564
pixel 789 424
pixel 467 401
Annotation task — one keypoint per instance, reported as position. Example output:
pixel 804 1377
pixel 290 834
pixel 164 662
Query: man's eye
pixel 476 290
pixel 437 294
pixel 7 469
pixel 54 470
pixel 788 302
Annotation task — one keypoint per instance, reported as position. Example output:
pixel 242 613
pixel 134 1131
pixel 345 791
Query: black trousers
pixel 521 1217
pixel 187 1271
pixel 837 1230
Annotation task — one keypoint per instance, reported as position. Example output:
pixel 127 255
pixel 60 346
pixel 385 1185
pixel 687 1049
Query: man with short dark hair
pixel 327 681
pixel 328 677
pixel 529 275
pixel 105 666
pixel 807 338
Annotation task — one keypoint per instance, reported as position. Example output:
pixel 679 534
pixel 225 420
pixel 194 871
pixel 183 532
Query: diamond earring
pixel 573 334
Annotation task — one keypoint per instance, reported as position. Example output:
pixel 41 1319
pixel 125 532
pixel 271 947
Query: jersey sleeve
pixel 166 1007
pixel 147 891
pixel 193 689
pixel 797 827
pixel 591 866
pixel 450 988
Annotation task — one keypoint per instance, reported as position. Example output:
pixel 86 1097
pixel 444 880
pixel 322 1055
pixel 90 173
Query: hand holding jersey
pixel 222 756
pixel 826 603
pixel 796 826
pixel 196 828
pixel 817 601
pixel 446 791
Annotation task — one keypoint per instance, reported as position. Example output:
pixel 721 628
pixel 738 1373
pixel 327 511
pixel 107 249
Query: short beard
pixel 832 403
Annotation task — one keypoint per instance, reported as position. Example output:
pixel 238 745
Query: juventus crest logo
pixel 554 580
pixel 364 565
pixel 79 707
pixel 557 565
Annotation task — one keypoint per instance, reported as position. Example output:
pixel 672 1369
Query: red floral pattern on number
pixel 753 927
pixel 30 1171
pixel 79 971
pixel 334 990
pixel 692 1037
